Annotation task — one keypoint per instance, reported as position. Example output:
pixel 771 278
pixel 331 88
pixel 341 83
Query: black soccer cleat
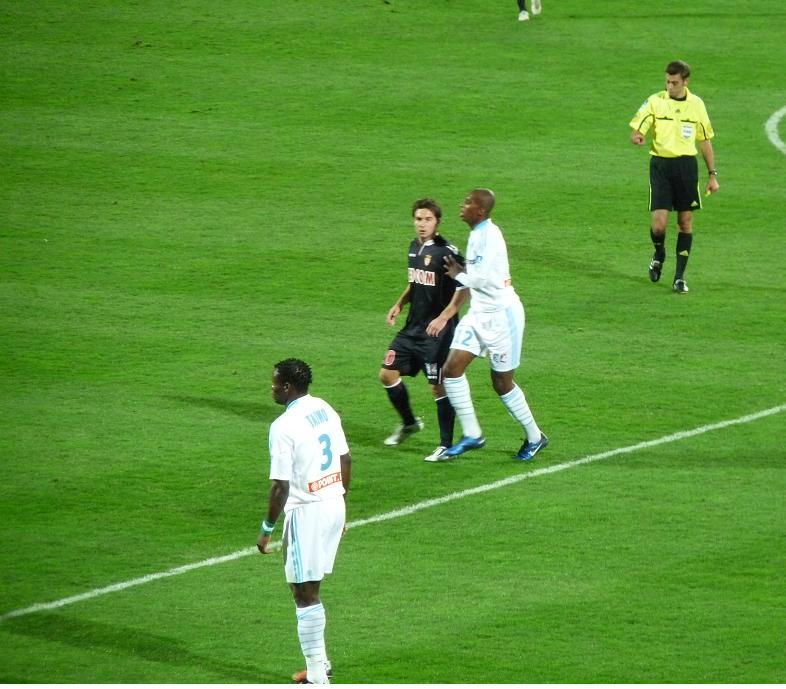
pixel 402 432
pixel 655 268
pixel 680 286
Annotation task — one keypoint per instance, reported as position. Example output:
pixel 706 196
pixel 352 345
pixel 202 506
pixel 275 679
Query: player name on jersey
pixel 317 417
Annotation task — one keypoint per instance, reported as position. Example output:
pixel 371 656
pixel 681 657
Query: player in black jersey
pixel 429 291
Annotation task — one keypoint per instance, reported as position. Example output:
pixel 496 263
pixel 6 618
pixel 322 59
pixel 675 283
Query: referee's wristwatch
pixel 713 172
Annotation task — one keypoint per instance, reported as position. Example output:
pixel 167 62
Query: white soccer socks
pixel 516 403
pixel 458 393
pixel 519 410
pixel 311 633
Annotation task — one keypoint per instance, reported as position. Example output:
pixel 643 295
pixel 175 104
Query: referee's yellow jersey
pixel 676 124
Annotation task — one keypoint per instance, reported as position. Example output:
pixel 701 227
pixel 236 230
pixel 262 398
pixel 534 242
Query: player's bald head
pixel 485 199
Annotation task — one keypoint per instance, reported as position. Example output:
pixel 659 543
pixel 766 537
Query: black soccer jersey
pixel 431 288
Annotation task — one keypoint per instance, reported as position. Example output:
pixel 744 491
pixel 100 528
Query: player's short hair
pixel 295 372
pixel 485 198
pixel 678 67
pixel 428 204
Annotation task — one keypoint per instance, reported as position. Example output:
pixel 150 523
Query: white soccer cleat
pixel 438 455
pixel 523 16
pixel 302 676
pixel 403 432
pixel 536 7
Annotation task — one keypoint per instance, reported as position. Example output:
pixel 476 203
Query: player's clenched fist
pixel 263 544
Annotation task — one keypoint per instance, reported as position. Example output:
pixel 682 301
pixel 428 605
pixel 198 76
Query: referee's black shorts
pixel 410 353
pixel 674 184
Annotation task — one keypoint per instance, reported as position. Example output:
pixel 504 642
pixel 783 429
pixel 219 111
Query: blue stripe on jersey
pixel 515 355
pixel 297 562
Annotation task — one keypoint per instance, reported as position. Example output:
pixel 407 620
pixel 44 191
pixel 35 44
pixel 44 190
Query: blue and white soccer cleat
pixel 529 450
pixel 465 444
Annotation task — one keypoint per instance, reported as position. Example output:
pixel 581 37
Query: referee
pixel 677 120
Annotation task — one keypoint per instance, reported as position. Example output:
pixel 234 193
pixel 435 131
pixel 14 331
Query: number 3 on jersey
pixel 325 440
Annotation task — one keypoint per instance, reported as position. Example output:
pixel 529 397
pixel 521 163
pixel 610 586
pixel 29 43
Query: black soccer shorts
pixel 674 184
pixel 409 354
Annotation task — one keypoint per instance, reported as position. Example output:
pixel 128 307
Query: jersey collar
pixel 295 401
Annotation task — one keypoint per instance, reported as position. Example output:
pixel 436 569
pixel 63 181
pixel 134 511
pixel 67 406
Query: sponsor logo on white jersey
pixel 324 482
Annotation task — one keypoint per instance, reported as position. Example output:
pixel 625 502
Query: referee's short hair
pixel 678 67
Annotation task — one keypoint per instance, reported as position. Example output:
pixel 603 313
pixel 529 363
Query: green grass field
pixel 192 191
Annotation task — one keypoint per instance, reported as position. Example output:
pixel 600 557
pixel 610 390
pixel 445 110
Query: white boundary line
pixel 405 511
pixel 771 127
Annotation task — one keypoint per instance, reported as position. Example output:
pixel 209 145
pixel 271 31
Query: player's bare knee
pixel 502 382
pixel 453 370
pixel 306 594
pixel 387 377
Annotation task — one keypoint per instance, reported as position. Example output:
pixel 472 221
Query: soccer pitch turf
pixel 192 193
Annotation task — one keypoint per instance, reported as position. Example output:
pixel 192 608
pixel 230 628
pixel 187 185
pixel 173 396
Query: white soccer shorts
pixel 312 533
pixel 497 334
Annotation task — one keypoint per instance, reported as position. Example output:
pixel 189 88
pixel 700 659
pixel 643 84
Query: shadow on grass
pixel 127 641
pixel 252 411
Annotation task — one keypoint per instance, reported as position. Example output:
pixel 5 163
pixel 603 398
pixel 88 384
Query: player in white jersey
pixel 310 470
pixel 493 327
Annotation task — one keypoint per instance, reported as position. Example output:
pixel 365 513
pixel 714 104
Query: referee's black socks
pixel 684 243
pixel 658 241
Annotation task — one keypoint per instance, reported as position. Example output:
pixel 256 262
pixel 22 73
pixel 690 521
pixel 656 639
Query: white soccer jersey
pixel 306 444
pixel 487 273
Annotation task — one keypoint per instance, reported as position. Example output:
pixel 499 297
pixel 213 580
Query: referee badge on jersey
pixel 687 131
pixel 427 259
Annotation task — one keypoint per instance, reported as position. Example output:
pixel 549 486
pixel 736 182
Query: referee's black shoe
pixel 680 286
pixel 655 268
